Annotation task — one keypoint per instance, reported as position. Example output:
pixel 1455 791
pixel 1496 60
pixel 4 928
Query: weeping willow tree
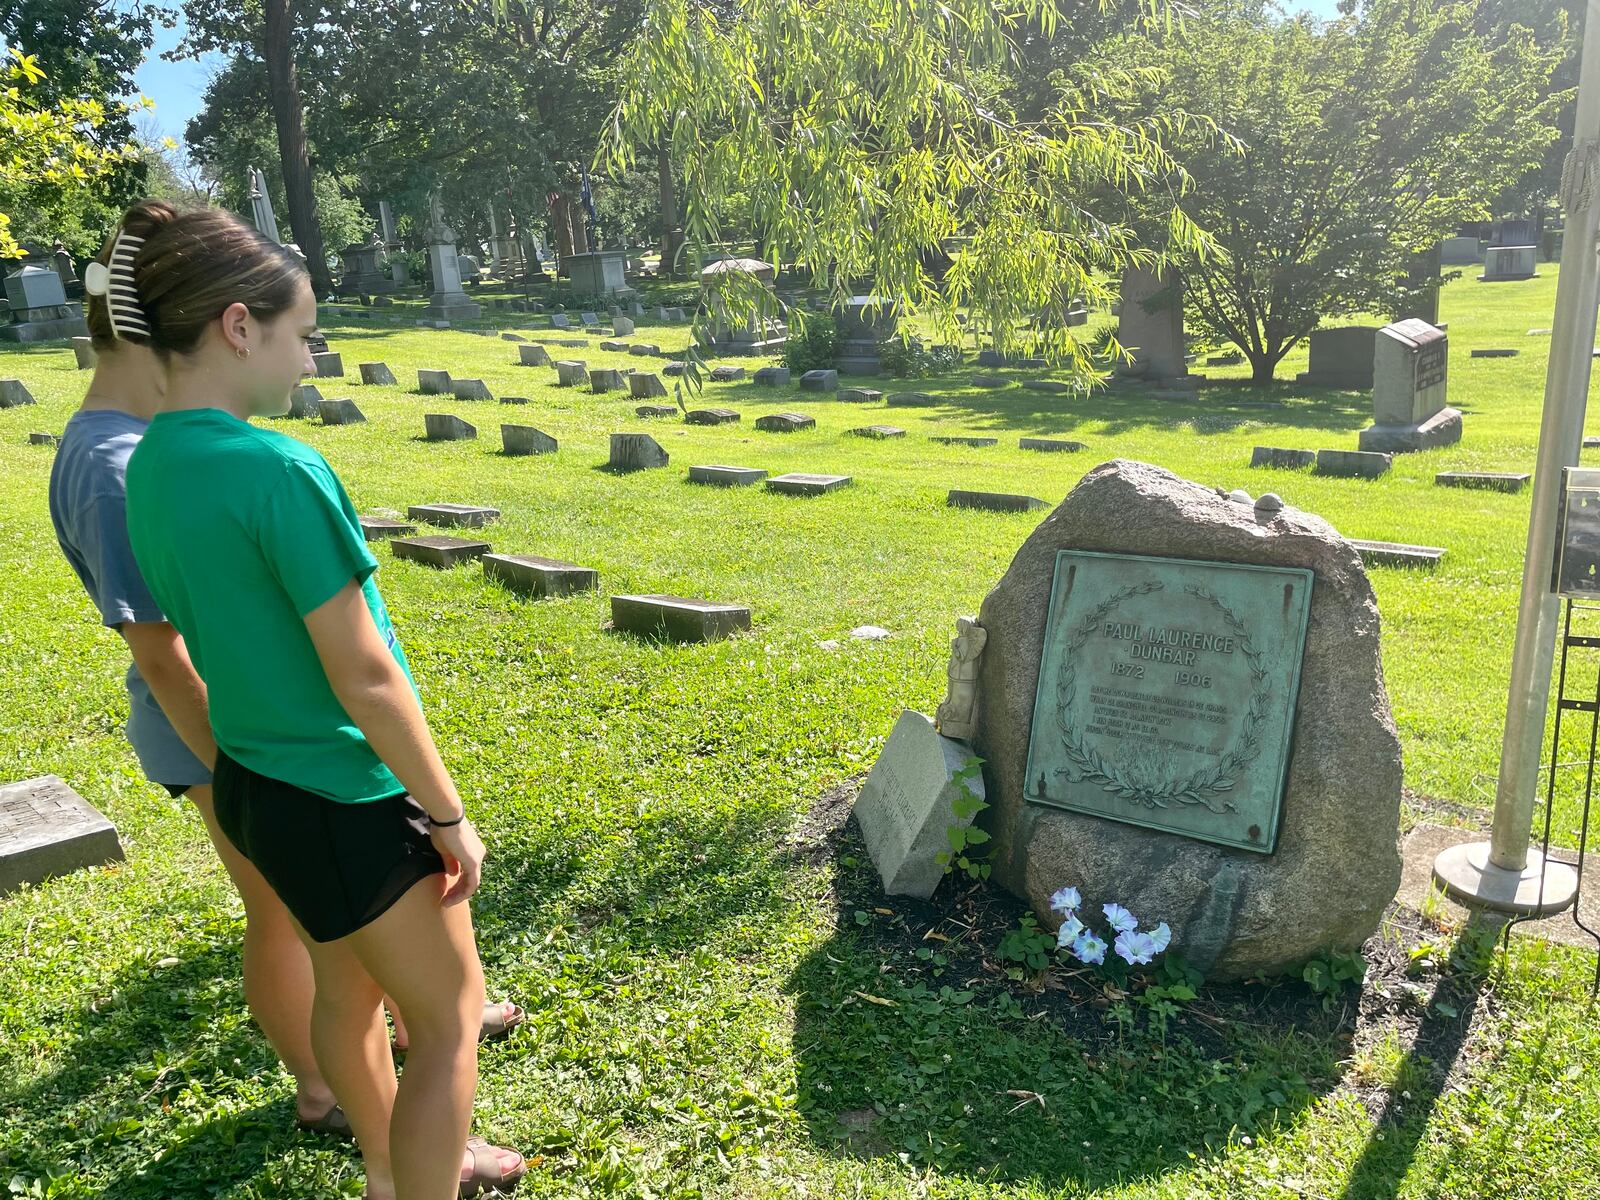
pixel 857 138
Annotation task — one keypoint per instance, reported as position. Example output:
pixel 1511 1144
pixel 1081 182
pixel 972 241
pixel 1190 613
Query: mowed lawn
pixel 704 1005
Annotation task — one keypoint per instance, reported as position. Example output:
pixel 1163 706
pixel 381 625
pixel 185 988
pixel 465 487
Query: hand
pixel 462 851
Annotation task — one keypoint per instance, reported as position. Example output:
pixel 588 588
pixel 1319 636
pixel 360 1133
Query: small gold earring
pixel 242 351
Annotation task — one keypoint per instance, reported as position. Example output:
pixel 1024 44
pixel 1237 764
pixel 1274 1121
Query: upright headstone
pixel 340 411
pixel 1152 653
pixel 1504 263
pixel 571 373
pixel 1341 358
pixel 83 352
pixel 636 452
pixel 448 302
pixel 433 383
pixel 1150 326
pixel 446 427
pixel 39 307
pixel 533 355
pixel 305 402
pixel 377 374
pixel 525 439
pixel 601 273
pixel 1410 371
pixel 1460 251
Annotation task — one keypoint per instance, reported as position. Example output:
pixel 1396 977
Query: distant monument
pixel 448 302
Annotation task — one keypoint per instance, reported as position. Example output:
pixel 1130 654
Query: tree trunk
pixel 560 227
pixel 580 226
pixel 283 86
pixel 1263 364
pixel 670 234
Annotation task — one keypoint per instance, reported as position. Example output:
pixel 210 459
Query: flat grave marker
pixel 532 575
pixel 471 516
pixel 438 550
pixel 1494 481
pixel 47 830
pixel 804 483
pixel 678 618
pixel 375 529
pixel 721 476
pixel 785 422
pixel 993 501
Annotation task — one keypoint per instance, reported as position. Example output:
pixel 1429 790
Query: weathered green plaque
pixel 1167 693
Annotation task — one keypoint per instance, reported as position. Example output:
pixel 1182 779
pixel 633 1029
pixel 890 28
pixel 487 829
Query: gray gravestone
pixel 622 326
pixel 1396 554
pixel 644 350
pixel 803 483
pixel 13 393
pixel 1053 387
pixel 673 368
pixel 963 440
pixel 47 829
pixel 571 373
pixel 910 400
pixel 375 529
pixel 470 389
pixel 877 433
pixel 1150 324
pixel 470 516
pixel 655 410
pixel 433 383
pixel 1172 787
pixel 1342 358
pixel 588 319
pixel 532 355
pixel 525 439
pixel 614 347
pixel 1410 378
pixel 510 337
pixel 1050 445
pixel 1277 456
pixel 560 321
pixel 906 807
pixel 1460 251
pixel 726 374
pixel 329 365
pixel 820 381
pixel 437 550
pixel 305 402
pixel 1494 481
pixel 771 376
pixel 678 618
pixel 542 577
pixel 993 501
pixel 726 476
pixel 643 385
pixel 1353 464
pixel 340 411
pixel 377 374
pixel 83 352
pixel 606 379
pixel 636 452
pixel 1504 263
pixel 445 427
pixel 711 416
pixel 860 395
pixel 989 381
pixel 785 422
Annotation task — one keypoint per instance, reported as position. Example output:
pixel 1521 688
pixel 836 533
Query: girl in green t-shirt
pixel 327 779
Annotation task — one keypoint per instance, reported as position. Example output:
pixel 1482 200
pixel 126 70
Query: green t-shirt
pixel 240 532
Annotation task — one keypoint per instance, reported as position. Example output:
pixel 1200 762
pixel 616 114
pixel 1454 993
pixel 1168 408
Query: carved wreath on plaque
pixel 1155 785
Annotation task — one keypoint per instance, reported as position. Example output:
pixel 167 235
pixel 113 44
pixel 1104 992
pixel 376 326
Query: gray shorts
pixel 161 752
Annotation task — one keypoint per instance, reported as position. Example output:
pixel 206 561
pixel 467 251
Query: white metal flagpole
pixel 1503 873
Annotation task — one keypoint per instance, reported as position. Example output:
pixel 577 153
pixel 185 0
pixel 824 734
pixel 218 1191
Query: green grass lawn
pixel 708 992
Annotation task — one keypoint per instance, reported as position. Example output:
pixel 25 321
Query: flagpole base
pixel 1542 888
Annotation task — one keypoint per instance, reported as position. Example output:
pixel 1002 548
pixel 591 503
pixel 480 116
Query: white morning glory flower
pixel 1161 936
pixel 1120 918
pixel 1135 948
pixel 1068 933
pixel 1089 949
pixel 1066 901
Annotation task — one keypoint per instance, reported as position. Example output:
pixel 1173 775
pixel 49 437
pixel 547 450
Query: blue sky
pixel 178 88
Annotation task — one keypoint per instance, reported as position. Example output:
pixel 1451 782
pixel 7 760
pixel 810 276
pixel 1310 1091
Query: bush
pixel 910 359
pixel 813 347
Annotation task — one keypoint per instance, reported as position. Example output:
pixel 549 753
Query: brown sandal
pixel 488 1176
pixel 496 1024
pixel 333 1123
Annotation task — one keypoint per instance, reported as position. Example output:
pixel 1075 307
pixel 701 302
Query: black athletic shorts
pixel 175 790
pixel 335 866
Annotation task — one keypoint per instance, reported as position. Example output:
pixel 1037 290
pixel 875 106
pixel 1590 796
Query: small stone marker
pixel 446 427
pixel 340 411
pixel 726 476
pixel 1591 443
pixel 820 381
pixel 644 384
pixel 329 365
pixel 877 432
pixel 606 379
pixel 636 452
pixel 1353 464
pixel 963 440
pixel 375 529
pixel 470 516
pixel 511 337
pixel 513 400
pixel 675 314
pixel 589 319
pixel 525 439
pixel 1278 456
pixel 535 576
pixel 44 439
pixel 1397 554
pixel 571 373
pixel 989 381
pixel 576 343
pixel 470 389
pixel 1053 386
pixel 560 321
pixel 906 807
pixel 437 550
pixel 377 374
pixel 304 401
pixel 644 350
pixel 726 374
pixel 13 393
pixel 771 376
pixel 786 422
pixel 1494 481
pixel 1539 333
pixel 614 347
pixel 711 416
pixel 621 325
pixel 860 395
pixel 532 355
pixel 994 501
pixel 675 367
pixel 433 383
pixel 83 352
pixel 656 410
pixel 47 829
pixel 1495 352
pixel 678 618
pixel 801 483
pixel 1050 445
pixel 910 400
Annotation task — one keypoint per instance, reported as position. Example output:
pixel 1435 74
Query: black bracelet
pixel 437 824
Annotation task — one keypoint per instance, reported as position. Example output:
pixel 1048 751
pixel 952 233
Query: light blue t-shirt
pixel 88 506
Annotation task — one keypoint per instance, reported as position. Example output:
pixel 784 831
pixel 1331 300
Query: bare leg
pixel 278 983
pixel 425 957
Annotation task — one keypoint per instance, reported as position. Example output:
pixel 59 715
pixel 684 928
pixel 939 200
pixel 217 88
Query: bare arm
pixel 373 689
pixel 163 660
